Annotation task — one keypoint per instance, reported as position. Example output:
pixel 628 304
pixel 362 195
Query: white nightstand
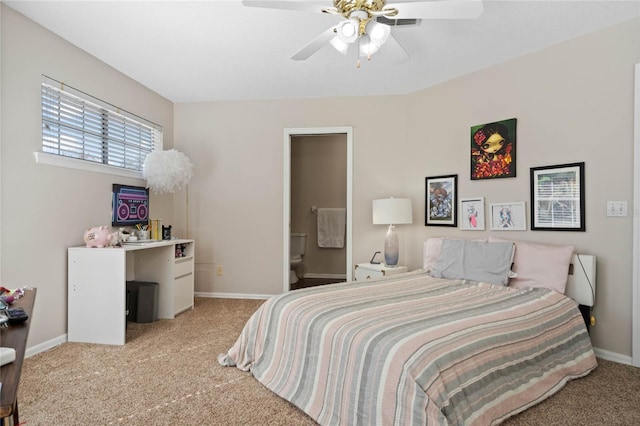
pixel 371 271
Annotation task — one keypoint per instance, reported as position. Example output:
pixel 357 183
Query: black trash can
pixel 142 301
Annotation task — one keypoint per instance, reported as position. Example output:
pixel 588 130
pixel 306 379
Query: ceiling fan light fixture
pixel 368 46
pixel 378 32
pixel 362 16
pixel 339 45
pixel 348 30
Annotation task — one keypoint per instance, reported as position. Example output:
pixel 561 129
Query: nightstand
pixel 371 271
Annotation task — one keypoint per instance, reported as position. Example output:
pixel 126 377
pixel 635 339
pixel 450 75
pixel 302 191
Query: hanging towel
pixel 331 227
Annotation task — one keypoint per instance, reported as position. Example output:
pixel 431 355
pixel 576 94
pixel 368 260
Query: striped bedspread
pixel 414 350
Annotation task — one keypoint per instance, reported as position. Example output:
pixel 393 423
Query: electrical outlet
pixel 219 270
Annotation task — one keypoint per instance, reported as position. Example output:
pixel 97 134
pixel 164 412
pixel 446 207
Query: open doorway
pixel 304 215
pixel 635 324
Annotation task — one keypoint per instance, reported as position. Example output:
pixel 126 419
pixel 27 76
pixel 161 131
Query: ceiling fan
pixel 360 25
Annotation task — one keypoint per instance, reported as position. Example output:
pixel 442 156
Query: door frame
pixel 635 325
pixel 286 205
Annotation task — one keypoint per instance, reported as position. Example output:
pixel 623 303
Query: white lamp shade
pixel 378 32
pixel 367 46
pixel 340 45
pixel 167 171
pixel 392 211
pixel 347 30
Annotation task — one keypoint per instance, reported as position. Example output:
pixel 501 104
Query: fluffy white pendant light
pixel 167 171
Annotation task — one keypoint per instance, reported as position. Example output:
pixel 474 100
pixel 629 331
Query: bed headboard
pixel 581 285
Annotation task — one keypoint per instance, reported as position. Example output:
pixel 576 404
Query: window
pixel 79 126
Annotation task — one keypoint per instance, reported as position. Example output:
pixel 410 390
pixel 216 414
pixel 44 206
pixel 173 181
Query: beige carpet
pixel 167 374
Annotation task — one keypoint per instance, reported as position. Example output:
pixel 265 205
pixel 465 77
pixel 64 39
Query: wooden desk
pixel 14 336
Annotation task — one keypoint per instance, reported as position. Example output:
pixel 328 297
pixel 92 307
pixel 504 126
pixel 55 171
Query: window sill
pixel 88 166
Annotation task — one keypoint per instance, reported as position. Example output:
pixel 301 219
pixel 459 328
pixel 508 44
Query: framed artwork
pixel 509 216
pixel 441 201
pixel 493 150
pixel 472 214
pixel 557 198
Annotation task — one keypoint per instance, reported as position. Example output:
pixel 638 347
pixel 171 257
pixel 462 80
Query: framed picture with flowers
pixel 493 150
pixel 441 199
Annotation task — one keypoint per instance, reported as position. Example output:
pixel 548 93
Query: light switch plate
pixel 617 208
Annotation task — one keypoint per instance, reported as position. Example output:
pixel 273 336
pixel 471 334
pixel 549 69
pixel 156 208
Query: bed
pixel 417 348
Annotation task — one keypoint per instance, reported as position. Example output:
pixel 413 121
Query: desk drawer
pixel 183 294
pixel 183 267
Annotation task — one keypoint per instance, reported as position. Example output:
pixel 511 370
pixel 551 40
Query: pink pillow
pixel 540 265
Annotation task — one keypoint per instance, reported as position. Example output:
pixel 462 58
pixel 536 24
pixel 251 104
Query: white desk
pixel 97 286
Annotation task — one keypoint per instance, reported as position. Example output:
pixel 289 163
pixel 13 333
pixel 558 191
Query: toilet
pixel 297 247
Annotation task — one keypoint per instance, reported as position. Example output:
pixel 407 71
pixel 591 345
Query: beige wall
pixel 318 178
pixel 573 103
pixel 45 208
pixel 236 195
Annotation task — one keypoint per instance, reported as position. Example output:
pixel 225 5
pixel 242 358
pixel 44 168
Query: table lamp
pixel 392 211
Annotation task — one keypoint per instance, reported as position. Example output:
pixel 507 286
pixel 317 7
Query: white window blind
pixel 79 126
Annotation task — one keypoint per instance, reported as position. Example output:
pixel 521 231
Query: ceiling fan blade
pixel 315 44
pixel 297 5
pixel 437 9
pixel 395 51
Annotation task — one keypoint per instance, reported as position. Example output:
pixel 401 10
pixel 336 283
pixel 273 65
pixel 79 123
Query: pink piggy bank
pixel 98 236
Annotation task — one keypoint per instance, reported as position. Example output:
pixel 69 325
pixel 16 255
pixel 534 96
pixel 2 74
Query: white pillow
pixel 540 265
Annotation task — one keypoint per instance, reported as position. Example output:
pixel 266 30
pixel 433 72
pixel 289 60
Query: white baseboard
pixel 217 295
pixel 45 346
pixel 613 356
pixel 327 276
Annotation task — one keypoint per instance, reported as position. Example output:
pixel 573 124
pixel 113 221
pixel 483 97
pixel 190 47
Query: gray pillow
pixel 474 260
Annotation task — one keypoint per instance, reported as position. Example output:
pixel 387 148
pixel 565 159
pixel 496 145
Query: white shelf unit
pixel 97 286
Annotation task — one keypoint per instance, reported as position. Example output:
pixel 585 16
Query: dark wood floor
pixel 312 282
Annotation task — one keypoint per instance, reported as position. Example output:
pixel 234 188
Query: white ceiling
pixel 221 50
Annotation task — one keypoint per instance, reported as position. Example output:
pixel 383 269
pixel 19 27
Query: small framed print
pixel 472 214
pixel 441 199
pixel 509 216
pixel 557 198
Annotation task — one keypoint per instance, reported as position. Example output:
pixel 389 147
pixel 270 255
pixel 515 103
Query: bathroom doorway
pixel 311 158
